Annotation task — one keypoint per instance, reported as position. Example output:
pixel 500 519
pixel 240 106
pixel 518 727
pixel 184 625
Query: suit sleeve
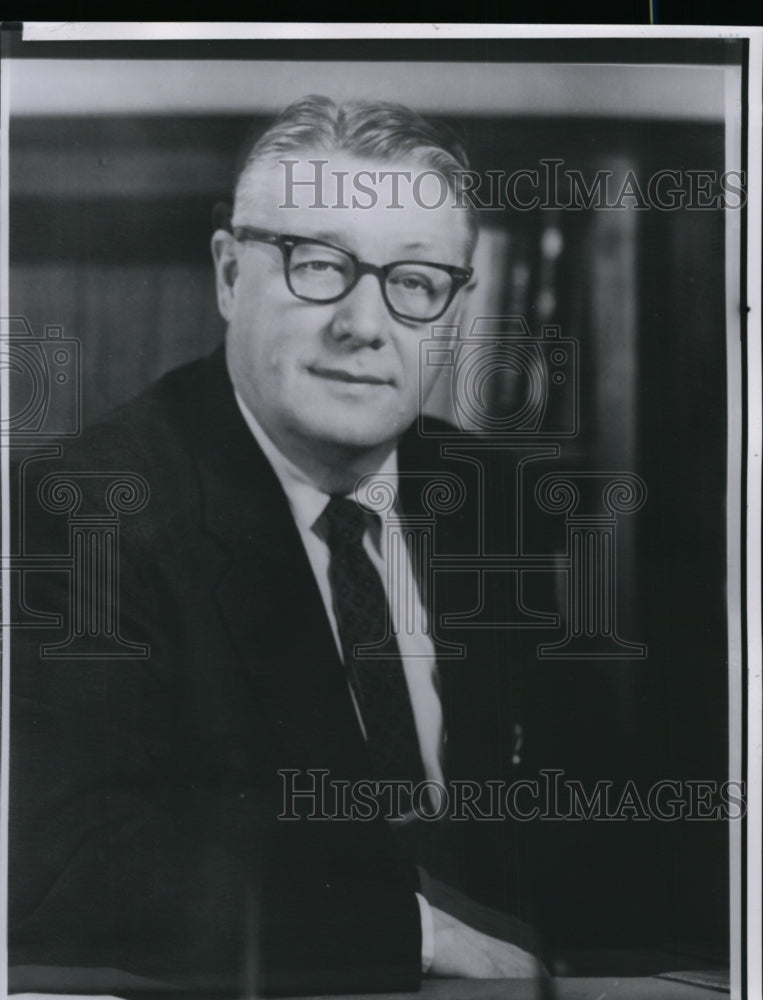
pixel 127 854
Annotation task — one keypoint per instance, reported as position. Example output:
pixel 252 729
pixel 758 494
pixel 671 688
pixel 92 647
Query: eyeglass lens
pixel 321 273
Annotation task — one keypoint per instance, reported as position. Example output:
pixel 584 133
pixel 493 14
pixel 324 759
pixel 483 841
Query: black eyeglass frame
pixel 286 243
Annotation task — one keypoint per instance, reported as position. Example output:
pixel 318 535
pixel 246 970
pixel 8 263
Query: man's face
pixel 341 376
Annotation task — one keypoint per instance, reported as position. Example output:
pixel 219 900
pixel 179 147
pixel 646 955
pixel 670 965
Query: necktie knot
pixel 346 521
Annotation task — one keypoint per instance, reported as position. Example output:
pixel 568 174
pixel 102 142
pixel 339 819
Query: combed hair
pixel 378 129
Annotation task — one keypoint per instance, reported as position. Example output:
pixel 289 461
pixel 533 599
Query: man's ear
pixel 226 271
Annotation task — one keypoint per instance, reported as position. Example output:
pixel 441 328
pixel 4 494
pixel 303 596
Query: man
pixel 165 811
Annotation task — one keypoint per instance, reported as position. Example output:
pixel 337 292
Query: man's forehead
pixel 338 168
pixel 335 195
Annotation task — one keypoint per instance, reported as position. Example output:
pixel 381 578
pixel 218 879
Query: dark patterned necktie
pixel 362 614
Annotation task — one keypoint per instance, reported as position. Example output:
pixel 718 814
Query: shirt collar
pixel 306 501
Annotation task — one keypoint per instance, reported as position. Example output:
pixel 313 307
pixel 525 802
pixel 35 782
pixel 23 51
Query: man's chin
pixel 351 434
pixel 355 440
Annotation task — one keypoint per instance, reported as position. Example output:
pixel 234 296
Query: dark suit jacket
pixel 145 791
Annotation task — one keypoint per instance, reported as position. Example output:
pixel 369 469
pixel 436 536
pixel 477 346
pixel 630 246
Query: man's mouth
pixel 340 375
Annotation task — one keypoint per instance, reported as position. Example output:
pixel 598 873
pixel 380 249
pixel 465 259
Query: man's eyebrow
pixel 418 245
pixel 323 235
pixel 341 240
pixel 344 241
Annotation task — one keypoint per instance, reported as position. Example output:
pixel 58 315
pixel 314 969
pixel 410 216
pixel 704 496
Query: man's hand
pixel 462 952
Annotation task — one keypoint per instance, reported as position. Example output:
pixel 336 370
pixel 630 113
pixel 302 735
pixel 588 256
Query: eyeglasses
pixel 315 271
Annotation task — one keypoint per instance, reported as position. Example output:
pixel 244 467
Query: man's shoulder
pixel 156 431
pixel 422 442
pixel 429 442
pixel 143 455
pixel 158 421
pixel 453 473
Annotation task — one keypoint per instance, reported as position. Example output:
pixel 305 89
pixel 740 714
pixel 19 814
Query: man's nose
pixel 362 316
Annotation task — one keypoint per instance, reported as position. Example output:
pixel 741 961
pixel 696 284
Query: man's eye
pixel 413 283
pixel 319 265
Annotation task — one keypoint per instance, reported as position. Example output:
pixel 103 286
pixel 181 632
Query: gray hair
pixel 379 129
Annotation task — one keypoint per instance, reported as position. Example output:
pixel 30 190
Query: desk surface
pixel 627 988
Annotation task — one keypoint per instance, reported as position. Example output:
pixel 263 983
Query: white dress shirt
pixel 307 504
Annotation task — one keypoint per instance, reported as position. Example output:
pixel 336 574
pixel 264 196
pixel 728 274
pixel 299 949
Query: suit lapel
pixel 267 593
pixel 474 689
pixel 419 459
